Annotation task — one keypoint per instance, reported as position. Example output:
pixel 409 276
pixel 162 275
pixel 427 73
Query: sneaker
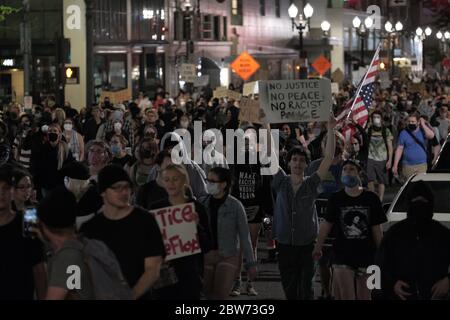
pixel 236 291
pixel 251 290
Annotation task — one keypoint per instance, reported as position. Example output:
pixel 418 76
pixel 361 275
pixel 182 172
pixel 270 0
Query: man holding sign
pixel 185 227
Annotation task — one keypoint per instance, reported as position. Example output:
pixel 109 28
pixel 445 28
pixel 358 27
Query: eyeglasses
pixel 96 151
pixel 125 187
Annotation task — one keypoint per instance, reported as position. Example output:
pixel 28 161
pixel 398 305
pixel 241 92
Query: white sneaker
pixel 251 290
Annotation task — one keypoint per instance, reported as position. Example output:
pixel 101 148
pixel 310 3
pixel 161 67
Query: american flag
pixel 358 107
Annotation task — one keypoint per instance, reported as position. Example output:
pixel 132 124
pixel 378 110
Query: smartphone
pixel 30 220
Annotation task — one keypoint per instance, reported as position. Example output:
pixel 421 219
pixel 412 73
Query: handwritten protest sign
pixel 250 88
pixel 335 87
pixel 296 100
pixel 201 81
pixel 179 230
pixel 188 72
pixel 223 92
pixel 249 110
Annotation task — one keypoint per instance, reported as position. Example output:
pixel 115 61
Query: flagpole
pixel 362 83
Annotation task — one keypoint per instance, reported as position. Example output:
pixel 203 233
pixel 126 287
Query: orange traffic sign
pixel 245 66
pixel 321 64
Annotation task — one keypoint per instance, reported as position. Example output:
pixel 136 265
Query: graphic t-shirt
pixel 353 219
pixel 377 147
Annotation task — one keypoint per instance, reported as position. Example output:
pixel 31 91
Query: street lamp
pixel 447 35
pixel 439 35
pixel 301 25
pixel 325 26
pixel 393 32
pixel 428 31
pixel 361 30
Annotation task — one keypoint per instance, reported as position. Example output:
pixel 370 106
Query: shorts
pixel 376 171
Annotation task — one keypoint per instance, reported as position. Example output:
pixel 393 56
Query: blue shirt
pixel 413 154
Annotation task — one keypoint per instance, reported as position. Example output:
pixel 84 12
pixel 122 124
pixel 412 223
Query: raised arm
pixel 329 150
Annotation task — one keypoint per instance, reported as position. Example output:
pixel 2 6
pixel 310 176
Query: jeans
pixel 297 271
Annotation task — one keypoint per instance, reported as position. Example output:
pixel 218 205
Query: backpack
pixel 105 273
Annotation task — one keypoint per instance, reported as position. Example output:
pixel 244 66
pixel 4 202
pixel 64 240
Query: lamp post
pixel 392 32
pixel 301 25
pixel 422 35
pixel 326 26
pixel 361 30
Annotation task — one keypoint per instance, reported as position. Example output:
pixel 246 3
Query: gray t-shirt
pixel 63 270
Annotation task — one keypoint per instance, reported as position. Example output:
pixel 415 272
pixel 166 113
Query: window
pixel 225 28
pixel 236 12
pixel 262 7
pixel 148 20
pixel 346 38
pixel 217 30
pixel 207 27
pixel 277 9
pixel 110 20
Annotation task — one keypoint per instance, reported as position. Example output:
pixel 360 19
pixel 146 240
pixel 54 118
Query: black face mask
pixel 147 154
pixel 52 137
pixel 412 127
pixel 420 212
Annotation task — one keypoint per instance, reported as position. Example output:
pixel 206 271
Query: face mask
pixel 117 126
pixel 412 127
pixel 212 188
pixel 377 122
pixel 146 154
pixel 356 148
pixel 52 137
pixel 184 124
pixel 350 181
pixel 68 127
pixel 115 149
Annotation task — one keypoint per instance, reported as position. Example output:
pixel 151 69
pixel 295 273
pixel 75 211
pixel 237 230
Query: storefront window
pixel 110 72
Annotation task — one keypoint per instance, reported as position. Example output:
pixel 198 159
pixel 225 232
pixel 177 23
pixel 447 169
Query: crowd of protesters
pixel 95 173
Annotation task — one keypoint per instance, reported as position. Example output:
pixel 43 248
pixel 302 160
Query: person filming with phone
pixel 22 267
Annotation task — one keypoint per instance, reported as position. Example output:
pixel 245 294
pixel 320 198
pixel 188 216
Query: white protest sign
pixel 335 87
pixel 296 100
pixel 249 110
pixel 250 88
pixel 201 81
pixel 179 230
pixel 28 102
pixel 188 72
pixel 223 92
pixel 385 82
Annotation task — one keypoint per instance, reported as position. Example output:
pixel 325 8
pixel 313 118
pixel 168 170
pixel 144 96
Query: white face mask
pixel 68 126
pixel 184 124
pixel 377 122
pixel 117 126
pixel 212 188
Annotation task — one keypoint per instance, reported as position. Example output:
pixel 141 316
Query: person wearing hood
pixel 414 256
pixel 196 174
pixel 49 158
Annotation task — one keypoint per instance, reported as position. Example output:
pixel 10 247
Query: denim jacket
pixel 232 229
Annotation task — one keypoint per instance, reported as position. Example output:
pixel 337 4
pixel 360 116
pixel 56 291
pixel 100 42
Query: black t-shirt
pixel 353 219
pixel 131 239
pixel 214 205
pixel 149 193
pixel 189 269
pixel 18 257
pixel 122 161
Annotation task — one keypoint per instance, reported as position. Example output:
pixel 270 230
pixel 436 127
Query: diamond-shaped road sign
pixel 321 64
pixel 245 66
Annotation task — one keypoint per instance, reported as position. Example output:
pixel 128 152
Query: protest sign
pixel 223 92
pixel 250 88
pixel 416 87
pixel 296 100
pixel 249 110
pixel 28 102
pixel 201 81
pixel 335 87
pixel 188 72
pixel 179 230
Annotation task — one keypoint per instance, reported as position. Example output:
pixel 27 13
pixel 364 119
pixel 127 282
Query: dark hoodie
pixel 415 250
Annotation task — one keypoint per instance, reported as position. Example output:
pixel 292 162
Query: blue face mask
pixel 350 181
pixel 115 149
